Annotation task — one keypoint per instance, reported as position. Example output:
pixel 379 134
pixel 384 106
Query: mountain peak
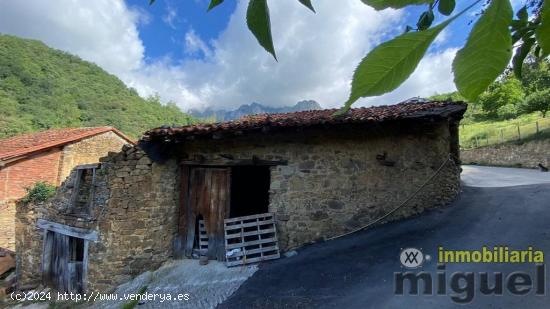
pixel 254 108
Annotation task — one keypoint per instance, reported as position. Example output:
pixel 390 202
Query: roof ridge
pixel 380 113
pixel 74 134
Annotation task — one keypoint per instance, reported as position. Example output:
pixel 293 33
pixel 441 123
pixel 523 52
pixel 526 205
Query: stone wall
pixel 527 154
pixel 88 151
pixel 333 182
pixel 7 225
pixel 140 222
pixel 133 212
pixel 53 167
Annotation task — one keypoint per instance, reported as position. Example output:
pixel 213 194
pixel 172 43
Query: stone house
pixel 47 156
pixel 317 175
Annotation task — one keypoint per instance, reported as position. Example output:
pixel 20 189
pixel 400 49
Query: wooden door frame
pixel 186 223
pixel 67 231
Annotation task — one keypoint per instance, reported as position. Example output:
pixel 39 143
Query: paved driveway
pixel 357 271
pixel 487 176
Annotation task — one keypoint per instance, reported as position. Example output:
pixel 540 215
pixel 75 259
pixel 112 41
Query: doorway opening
pixel 213 194
pixel 63 262
pixel 249 190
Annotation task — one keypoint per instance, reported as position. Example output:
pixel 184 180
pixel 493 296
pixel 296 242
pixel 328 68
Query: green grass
pixel 133 303
pixel 497 131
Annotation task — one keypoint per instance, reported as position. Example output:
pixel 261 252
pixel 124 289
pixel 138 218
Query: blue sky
pixel 169 19
pixel 199 60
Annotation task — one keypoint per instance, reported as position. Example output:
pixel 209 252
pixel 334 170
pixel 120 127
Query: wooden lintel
pixel 67 230
pixel 87 166
pixel 235 162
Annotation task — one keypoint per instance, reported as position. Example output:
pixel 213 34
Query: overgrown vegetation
pixel 508 103
pixel 40 192
pixel 510 97
pixel 43 88
pixel 133 303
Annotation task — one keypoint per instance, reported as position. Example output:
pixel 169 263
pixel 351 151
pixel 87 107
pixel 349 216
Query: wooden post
pixel 519 133
pixel 502 135
pixel 537 123
pixel 487 140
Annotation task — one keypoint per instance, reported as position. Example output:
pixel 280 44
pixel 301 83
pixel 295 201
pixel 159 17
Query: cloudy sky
pixel 198 59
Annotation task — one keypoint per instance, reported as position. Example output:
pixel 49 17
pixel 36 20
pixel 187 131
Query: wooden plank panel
pixel 208 196
pixel 248 218
pixel 251 243
pixel 195 189
pixel 258 244
pixel 67 230
pixel 252 224
pixel 254 251
pixel 251 233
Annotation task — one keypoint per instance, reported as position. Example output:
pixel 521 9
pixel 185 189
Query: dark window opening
pixel 76 250
pixel 249 190
pixel 83 191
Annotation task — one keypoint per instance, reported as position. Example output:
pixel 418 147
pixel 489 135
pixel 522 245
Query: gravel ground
pixel 206 286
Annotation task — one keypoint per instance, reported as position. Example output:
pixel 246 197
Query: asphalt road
pixel 357 271
pixel 488 176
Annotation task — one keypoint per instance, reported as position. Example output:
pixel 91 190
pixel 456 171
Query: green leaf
pixel 520 55
pixel 425 21
pixel 308 4
pixel 391 63
pixel 523 15
pixel 487 51
pixel 543 30
pixel 394 4
pixel 257 19
pixel 446 7
pixel 214 3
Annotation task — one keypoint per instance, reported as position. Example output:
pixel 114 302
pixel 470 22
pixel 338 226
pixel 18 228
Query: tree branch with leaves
pixel 493 40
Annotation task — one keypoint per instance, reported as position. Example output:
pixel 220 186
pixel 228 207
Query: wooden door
pixel 207 195
pixel 59 270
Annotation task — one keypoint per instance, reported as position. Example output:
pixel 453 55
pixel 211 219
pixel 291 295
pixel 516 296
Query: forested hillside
pixel 43 88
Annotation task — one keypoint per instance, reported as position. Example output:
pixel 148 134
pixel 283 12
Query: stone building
pixel 47 156
pixel 320 175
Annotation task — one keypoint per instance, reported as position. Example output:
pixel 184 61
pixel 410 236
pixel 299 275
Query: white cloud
pixel 170 17
pixel 102 31
pixel 195 45
pixel 317 52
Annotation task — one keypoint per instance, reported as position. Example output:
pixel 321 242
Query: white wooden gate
pixel 250 239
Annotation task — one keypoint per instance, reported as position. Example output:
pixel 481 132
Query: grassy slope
pixel 492 129
pixel 43 88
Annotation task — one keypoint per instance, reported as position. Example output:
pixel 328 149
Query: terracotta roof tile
pixel 28 143
pixel 405 110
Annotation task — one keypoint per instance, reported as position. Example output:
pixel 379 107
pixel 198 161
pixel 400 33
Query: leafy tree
pixel 538 101
pixel 502 96
pixel 42 88
pixel 484 57
pixel 536 75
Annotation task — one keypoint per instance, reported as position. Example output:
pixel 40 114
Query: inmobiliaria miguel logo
pixel 462 286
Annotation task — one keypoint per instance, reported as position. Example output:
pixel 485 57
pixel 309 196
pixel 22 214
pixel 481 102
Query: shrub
pixel 507 111
pixel 40 192
pixel 538 101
